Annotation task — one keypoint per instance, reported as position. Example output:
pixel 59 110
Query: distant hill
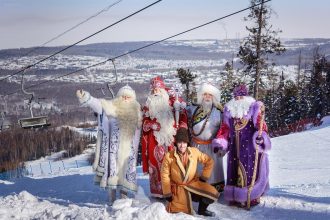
pixel 205 58
pixel 181 49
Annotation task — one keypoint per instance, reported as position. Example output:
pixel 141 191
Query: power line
pixel 113 24
pixel 68 30
pixel 143 47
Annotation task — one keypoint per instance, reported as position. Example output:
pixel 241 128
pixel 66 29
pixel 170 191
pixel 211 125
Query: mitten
pixel 155 126
pixel 259 140
pixel 83 96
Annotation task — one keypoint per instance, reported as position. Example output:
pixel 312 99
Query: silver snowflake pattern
pixel 176 90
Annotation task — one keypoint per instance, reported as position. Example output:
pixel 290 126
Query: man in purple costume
pixel 243 134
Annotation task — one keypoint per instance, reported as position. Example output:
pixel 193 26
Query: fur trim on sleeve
pixel 108 107
pixel 226 116
pixel 220 143
pixel 256 110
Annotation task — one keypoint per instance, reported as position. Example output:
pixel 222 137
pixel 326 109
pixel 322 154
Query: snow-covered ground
pixel 299 176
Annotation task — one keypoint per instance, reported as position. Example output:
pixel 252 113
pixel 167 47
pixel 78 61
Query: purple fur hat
pixel 240 90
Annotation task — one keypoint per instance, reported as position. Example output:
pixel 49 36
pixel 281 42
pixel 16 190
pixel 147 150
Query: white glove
pixel 80 93
pixel 83 96
pixel 183 105
pixel 155 126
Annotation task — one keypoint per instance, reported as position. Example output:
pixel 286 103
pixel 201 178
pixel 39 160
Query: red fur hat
pixel 157 82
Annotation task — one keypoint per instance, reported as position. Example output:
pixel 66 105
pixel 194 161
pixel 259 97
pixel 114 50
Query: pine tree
pixel 279 104
pixel 303 106
pixel 317 86
pixel 291 103
pixel 327 87
pixel 260 42
pixel 228 82
pixel 270 100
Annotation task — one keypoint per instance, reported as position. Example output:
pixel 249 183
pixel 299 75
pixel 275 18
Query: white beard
pixel 160 109
pixel 239 108
pixel 207 106
pixel 128 115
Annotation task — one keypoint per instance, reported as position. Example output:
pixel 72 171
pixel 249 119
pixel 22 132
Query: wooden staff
pixel 261 124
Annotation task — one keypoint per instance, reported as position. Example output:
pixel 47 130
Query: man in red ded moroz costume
pixel 159 127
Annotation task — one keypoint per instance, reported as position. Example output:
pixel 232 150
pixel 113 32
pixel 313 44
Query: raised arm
pixel 86 99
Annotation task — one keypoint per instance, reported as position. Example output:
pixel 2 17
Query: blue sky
pixel 26 23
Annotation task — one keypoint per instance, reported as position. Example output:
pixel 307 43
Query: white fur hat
pixel 208 88
pixel 127 91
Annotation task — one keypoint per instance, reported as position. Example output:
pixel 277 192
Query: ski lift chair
pixel 32 122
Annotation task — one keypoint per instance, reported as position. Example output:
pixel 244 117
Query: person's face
pixel 156 91
pixel 207 97
pixel 182 146
pixel 126 98
pixel 239 97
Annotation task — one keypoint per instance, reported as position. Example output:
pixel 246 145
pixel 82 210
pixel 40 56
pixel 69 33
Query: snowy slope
pixel 300 189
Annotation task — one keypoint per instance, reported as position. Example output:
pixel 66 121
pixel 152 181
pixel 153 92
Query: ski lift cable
pixel 115 81
pixel 67 47
pixel 68 30
pixel 58 77
pixel 109 84
pixel 50 80
pixel 143 47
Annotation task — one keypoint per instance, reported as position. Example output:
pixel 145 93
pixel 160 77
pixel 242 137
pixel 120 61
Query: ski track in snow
pixel 299 179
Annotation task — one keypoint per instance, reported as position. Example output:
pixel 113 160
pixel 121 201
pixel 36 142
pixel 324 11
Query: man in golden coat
pixel 180 182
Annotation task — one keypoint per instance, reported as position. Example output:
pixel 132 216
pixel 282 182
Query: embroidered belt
pixel 174 186
pixel 199 141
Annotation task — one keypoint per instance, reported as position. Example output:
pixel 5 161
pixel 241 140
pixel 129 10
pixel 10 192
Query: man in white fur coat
pixel 118 140
pixel 204 122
